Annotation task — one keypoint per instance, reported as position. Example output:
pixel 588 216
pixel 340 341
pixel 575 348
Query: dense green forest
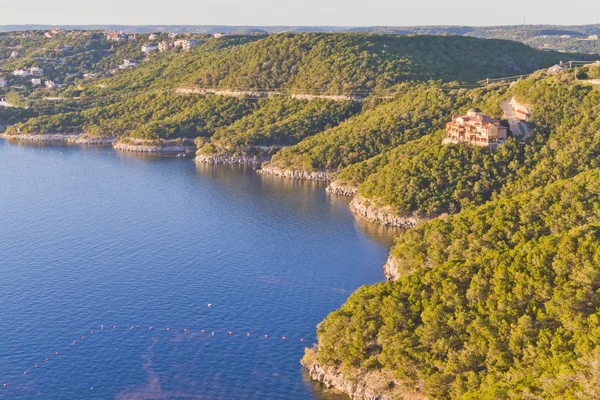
pixel 279 122
pixel 501 299
pixel 336 63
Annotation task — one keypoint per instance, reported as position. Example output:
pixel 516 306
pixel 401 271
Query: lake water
pixel 92 237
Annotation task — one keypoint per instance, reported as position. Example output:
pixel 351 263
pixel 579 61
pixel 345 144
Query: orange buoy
pixel 92 332
pixel 301 340
pixel 231 333
pixel 168 329
pixel 5 385
pixel 74 343
pixel 266 336
pixel 57 353
pixel 185 329
pixel 25 373
pixel 248 334
pixel 37 366
pixel 150 328
pixel 202 330
pixel 114 327
pixel 46 360
pixel 132 327
pixel 83 338
pixel 284 338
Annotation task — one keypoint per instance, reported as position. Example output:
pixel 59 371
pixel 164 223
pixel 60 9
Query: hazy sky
pixel 299 12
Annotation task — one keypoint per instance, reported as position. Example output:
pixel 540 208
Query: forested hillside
pixel 338 63
pixel 501 299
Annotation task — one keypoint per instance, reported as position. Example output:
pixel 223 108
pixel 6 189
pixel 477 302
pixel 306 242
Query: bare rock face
pixel 391 269
pixel 146 148
pixel 341 189
pixel 368 210
pixel 230 159
pixel 293 174
pixel 377 385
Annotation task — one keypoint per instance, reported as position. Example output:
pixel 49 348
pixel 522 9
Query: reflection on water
pixel 91 236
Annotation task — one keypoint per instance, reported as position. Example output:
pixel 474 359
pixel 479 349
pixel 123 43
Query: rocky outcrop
pixel 391 269
pixel 156 149
pixel 230 159
pixel 61 138
pixel 359 385
pixel 370 211
pixel 342 189
pixel 293 174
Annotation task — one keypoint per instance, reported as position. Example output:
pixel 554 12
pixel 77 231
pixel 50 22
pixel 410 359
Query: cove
pixel 90 236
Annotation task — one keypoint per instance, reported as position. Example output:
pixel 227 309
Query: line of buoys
pixel 150 328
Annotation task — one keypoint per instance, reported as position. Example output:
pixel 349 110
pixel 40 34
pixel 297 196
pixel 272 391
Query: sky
pixel 299 12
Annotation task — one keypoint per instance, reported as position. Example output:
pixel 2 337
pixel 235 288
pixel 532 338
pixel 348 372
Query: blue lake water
pixel 90 236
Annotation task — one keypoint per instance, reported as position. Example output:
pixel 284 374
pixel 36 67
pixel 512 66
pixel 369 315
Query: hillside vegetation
pixel 501 299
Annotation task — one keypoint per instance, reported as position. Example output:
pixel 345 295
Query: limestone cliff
pixel 293 174
pixel 342 189
pixel 370 211
pixel 359 385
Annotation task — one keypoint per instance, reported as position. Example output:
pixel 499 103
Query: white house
pixel 152 36
pixel 51 85
pixel 35 71
pixel 555 69
pixel 149 48
pixel 21 72
pixel 2 82
pixel 36 81
pixel 186 44
pixel 128 64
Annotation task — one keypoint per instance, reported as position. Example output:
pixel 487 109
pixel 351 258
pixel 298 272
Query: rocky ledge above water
pixel 293 174
pixel 359 385
pixel 164 148
pixel 342 189
pixel 61 138
pixel 370 211
pixel 230 159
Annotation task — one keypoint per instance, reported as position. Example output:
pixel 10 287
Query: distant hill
pixel 551 37
pixel 339 63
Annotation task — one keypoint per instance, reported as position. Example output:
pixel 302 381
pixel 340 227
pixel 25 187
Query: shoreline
pixel 358 384
pixel 74 138
pixel 322 176
pixel 225 159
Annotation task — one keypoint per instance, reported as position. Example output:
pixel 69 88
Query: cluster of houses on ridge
pixel 185 44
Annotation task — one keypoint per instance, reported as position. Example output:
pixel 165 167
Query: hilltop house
pixel 2 82
pixel 186 44
pixel 35 71
pixel 555 69
pixel 36 81
pixel 21 72
pixel 128 64
pixel 116 37
pixel 164 46
pixel 475 128
pixel 149 48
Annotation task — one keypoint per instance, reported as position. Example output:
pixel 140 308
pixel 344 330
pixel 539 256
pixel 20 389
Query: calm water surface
pixel 89 236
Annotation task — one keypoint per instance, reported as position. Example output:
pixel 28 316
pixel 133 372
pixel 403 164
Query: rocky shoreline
pixel 322 176
pixel 368 210
pixel 357 384
pixel 342 189
pixel 80 138
pixel 154 149
pixel 230 159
